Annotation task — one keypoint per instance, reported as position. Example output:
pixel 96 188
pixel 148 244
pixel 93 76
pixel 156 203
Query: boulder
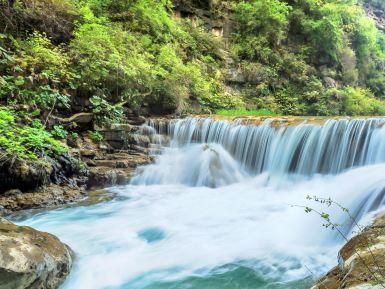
pixel 361 261
pixel 24 174
pixel 330 82
pixel 30 259
pixel 136 120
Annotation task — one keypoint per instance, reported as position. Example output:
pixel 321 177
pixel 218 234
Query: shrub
pixel 53 17
pixel 95 136
pixel 26 141
pixel 59 132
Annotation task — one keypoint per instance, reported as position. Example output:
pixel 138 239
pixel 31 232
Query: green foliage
pixel 54 17
pixel 33 74
pixel 287 51
pixel 359 101
pixel 74 135
pixel 245 112
pixel 154 61
pixel 265 20
pixel 25 141
pixel 294 57
pixel 104 112
pixel 59 132
pixel 95 136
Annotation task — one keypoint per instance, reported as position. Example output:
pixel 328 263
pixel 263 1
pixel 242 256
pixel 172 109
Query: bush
pixel 54 18
pixel 359 101
pixel 95 136
pixel 35 74
pixel 26 141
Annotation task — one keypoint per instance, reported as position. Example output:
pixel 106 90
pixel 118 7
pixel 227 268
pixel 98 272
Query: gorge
pixel 192 144
pixel 220 206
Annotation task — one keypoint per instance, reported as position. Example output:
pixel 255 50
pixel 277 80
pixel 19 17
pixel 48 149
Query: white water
pixel 199 216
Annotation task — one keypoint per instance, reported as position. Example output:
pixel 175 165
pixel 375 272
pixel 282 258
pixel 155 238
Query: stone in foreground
pixel 361 261
pixel 30 259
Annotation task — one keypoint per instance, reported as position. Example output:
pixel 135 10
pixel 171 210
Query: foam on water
pixel 198 218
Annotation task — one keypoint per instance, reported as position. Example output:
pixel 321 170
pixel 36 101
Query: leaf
pixel 19 81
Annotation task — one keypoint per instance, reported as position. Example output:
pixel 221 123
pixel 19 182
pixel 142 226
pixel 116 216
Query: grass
pixel 245 112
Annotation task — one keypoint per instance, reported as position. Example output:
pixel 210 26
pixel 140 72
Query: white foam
pixel 204 228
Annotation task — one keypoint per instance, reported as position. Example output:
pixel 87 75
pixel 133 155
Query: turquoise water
pixel 173 236
pixel 196 220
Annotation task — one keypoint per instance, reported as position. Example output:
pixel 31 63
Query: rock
pixel 12 193
pixel 102 177
pixel 116 169
pixel 377 15
pixel 138 120
pixel 330 82
pixel 66 169
pixel 49 196
pixel 235 75
pixel 30 259
pixel 361 261
pixel 81 120
pixel 87 153
pixel 24 174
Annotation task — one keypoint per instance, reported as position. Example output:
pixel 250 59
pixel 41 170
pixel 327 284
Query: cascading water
pixel 218 209
pixel 303 149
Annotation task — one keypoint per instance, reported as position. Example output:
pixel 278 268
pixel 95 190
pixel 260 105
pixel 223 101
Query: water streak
pixel 304 149
pixel 222 206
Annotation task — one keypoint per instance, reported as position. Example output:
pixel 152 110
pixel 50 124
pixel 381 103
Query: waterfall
pixel 223 204
pixel 305 149
pixel 206 152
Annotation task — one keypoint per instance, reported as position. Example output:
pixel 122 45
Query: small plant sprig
pixel 328 223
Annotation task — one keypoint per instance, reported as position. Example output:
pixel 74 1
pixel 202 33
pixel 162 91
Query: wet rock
pixel 24 175
pixel 361 261
pixel 117 136
pixel 30 259
pixel 68 170
pixel 49 196
pixel 116 169
pixel 136 120
pixel 101 177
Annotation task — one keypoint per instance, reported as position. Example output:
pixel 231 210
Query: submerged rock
pixel 30 259
pixel 361 261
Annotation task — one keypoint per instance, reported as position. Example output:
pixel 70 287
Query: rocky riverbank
pixel 88 165
pixel 361 261
pixel 30 259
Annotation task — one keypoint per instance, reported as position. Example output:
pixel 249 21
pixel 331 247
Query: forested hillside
pixel 118 58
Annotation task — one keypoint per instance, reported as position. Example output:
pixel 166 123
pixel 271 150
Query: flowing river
pixel 222 207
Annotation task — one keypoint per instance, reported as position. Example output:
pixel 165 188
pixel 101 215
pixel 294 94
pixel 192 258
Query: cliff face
pixel 377 14
pixel 215 14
